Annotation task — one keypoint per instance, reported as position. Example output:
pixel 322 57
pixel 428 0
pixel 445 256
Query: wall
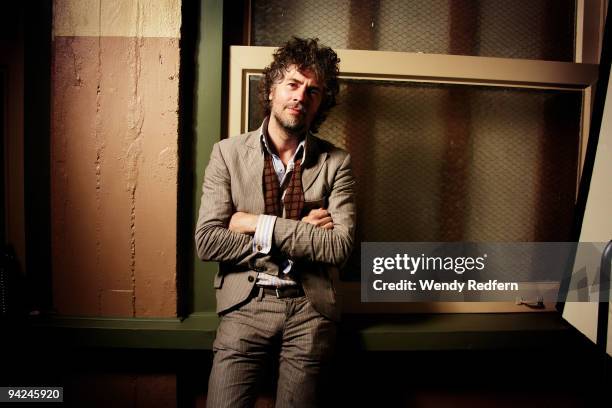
pixel 114 156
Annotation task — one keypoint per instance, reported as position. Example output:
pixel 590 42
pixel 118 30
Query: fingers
pixel 318 213
pixel 318 222
pixel 329 225
pixel 323 221
pixel 315 214
pixel 319 217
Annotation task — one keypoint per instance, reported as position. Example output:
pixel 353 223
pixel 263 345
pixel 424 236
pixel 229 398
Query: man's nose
pixel 299 94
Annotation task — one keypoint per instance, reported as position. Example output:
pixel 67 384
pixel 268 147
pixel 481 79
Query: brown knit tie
pixel 294 194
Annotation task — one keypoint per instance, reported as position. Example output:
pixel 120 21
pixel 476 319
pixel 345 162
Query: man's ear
pixel 271 93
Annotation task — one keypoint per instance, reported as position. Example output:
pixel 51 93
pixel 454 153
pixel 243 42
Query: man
pixel 278 213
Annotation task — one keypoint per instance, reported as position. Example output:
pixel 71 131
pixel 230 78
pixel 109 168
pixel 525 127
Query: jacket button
pixel 251 279
pixel 259 247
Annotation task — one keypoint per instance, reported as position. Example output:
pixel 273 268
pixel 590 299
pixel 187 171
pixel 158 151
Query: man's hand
pixel 319 217
pixel 243 223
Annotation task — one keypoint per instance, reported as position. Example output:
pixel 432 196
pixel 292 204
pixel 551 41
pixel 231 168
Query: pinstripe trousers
pixel 251 335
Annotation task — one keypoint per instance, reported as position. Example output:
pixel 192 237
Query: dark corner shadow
pixel 190 11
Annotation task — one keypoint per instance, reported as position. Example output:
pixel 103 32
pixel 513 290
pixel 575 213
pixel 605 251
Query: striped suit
pixel 252 324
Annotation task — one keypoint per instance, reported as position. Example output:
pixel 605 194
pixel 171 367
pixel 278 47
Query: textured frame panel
pixel 533 29
pixel 409 67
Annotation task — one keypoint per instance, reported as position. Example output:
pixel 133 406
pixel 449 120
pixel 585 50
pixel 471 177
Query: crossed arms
pixel 223 234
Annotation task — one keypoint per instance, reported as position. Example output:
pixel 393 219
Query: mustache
pixel 298 106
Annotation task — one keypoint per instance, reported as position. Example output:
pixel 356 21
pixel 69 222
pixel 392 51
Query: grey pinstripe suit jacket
pixel 233 182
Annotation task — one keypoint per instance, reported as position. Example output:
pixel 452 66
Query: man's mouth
pixel 296 110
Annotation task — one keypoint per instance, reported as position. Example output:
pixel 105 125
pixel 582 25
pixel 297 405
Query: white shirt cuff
pixel 287 266
pixel 262 240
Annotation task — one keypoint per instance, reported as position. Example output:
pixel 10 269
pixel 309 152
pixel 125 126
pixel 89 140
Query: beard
pixel 294 124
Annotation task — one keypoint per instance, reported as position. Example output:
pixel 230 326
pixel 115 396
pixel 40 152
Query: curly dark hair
pixel 305 54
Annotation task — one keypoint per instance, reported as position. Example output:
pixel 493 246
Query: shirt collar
pixel 263 135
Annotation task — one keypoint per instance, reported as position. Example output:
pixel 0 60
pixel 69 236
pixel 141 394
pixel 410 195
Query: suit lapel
pixel 313 163
pixel 252 167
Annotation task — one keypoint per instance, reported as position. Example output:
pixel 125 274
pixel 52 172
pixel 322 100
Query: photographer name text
pixel 454 286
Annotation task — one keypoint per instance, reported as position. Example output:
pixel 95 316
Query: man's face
pixel 295 100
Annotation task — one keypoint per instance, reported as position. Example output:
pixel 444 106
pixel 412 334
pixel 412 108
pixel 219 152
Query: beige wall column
pixel 114 156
